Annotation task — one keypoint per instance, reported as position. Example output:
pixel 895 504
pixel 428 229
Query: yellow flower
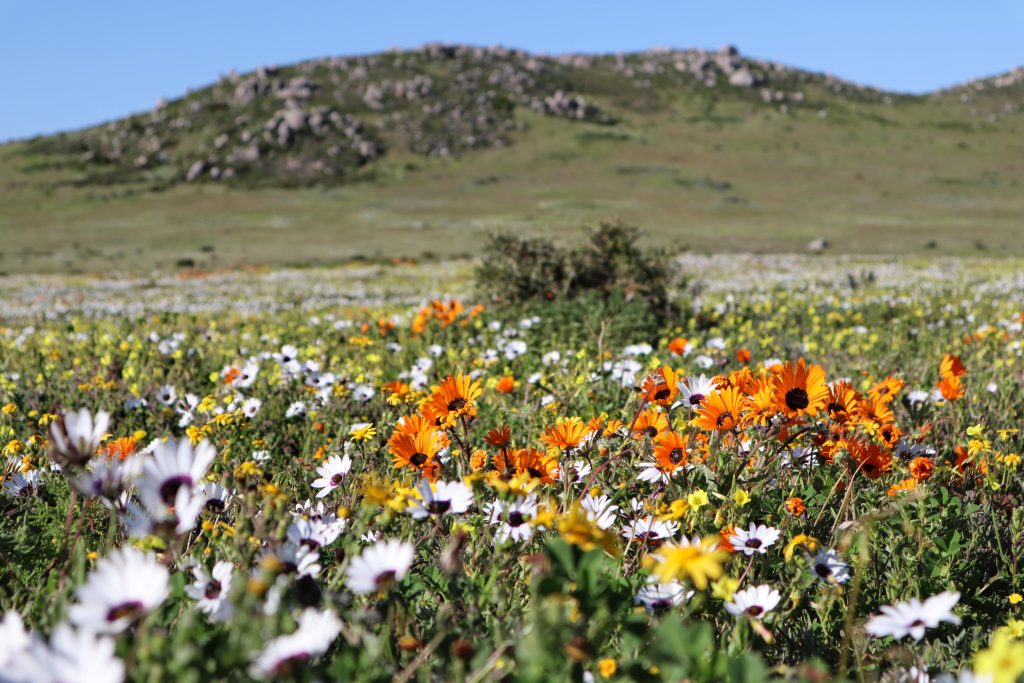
pixel 1015 627
pixel 14 447
pixel 607 667
pixel 808 542
pixel 1015 598
pixel 577 528
pixel 724 588
pixel 362 431
pixel 741 497
pixel 697 499
pixel 696 561
pixel 9 408
pixel 976 430
pixel 1002 661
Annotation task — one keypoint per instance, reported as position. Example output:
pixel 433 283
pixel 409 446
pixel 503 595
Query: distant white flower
pixel 828 566
pixel 551 357
pixel 332 473
pixel 514 349
pixel 642 349
pixel 656 596
pixel 513 519
pixel 286 655
pixel 704 361
pixel 125 585
pixel 211 591
pixel 445 497
pixel 914 617
pixel 251 407
pixel 769 363
pixel 296 409
pixel 753 602
pixel 317 533
pixel 380 566
pixel 108 478
pixel 435 350
pixel 992 387
pixel 22 484
pixel 166 395
pixel 649 530
pixel 917 397
pixel 756 539
pixel 76 436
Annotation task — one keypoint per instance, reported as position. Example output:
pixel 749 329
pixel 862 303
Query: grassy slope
pixel 869 177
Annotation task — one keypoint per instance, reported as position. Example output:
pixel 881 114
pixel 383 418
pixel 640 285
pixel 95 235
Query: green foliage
pixel 610 270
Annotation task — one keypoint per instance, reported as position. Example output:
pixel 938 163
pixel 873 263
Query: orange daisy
pixel 454 398
pixel 801 389
pixel 721 410
pixel 670 451
pixel 661 386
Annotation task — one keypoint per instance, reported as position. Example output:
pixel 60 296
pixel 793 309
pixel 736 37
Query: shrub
pixel 610 265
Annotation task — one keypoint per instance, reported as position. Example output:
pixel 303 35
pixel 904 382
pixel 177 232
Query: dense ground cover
pixel 378 489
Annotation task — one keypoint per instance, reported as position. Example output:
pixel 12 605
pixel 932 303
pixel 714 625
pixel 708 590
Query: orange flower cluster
pixel 446 312
pixel 951 369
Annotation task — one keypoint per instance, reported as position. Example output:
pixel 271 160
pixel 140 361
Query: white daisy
pixel 22 484
pixel 379 566
pixel 656 596
pixel 251 406
pixel 332 473
pixel 125 585
pixel 512 519
pixel 169 485
pixel 299 559
pixel 913 617
pixel 211 591
pixel 215 497
pixel 108 478
pixel 649 530
pixel 71 655
pixel 600 509
pixel 828 566
pixel 287 655
pixel 445 497
pixel 316 533
pixel 166 395
pixel 756 539
pixel 75 437
pixel 296 409
pixel 694 390
pixel 753 602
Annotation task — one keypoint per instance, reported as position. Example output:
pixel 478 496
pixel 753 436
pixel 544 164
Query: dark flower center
pixel 127 610
pixel 291 665
pixel 696 399
pixel 676 456
pixel 439 507
pixel 212 589
pixel 215 504
pixel 797 399
pixel 662 394
pixel 534 472
pixel 823 570
pixel 336 479
pixel 169 489
pixel 753 543
pixel 651 431
pixel 418 459
pixel 385 579
pixel 724 419
pixel 457 404
pixel 515 518
pixel 755 610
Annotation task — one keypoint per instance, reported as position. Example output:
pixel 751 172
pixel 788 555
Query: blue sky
pixel 69 64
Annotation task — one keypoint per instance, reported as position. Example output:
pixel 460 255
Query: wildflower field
pixel 811 471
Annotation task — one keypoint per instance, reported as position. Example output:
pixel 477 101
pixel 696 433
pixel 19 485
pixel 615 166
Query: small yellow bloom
pixel 9 408
pixel 697 499
pixel 1015 598
pixel 362 431
pixel 607 667
pixel 724 588
pixel 741 497
pixel 800 540
pixel 696 561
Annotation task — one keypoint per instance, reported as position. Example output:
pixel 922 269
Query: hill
pixel 413 153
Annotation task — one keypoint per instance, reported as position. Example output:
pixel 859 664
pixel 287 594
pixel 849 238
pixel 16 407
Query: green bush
pixel 611 265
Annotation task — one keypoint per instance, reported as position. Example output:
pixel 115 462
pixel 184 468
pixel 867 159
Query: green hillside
pixel 408 154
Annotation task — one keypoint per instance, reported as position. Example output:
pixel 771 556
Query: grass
pixel 870 178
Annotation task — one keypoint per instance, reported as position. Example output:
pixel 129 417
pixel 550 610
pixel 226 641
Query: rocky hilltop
pixel 330 119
